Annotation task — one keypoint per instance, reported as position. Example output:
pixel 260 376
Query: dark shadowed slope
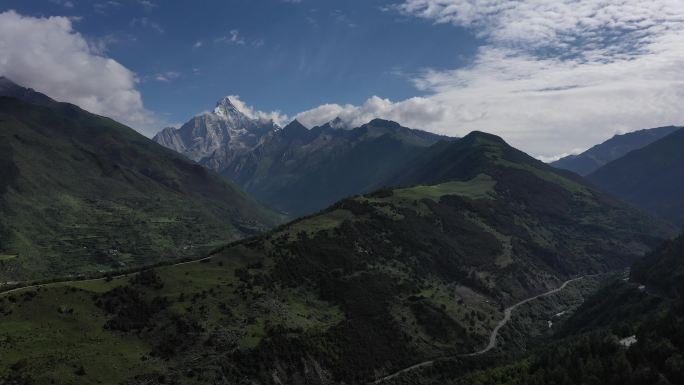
pixel 663 270
pixel 612 149
pixel 651 177
pixel 80 192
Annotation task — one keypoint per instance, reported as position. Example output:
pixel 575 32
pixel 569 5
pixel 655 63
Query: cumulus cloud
pixel 48 55
pixel 276 116
pixel 549 106
pixel 552 77
pixel 414 112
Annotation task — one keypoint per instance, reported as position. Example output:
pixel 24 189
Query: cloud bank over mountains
pixel 414 112
pixel 276 116
pixel 555 75
pixel 48 55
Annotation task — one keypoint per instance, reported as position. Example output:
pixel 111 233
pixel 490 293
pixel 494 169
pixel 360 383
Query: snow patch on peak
pixel 231 106
pixel 234 108
pixel 232 127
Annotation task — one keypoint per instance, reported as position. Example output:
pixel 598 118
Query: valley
pixel 364 289
pixel 342 192
pixel 492 337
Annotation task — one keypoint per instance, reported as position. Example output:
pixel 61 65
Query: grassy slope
pixel 82 193
pixel 373 284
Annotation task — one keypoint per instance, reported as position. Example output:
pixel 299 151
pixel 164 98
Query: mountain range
pixel 227 128
pixel 649 177
pixel 414 258
pixel 294 169
pixel 371 285
pixel 82 193
pixel 612 149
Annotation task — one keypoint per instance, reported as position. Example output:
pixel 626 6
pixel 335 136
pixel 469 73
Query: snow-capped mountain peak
pixel 232 126
pixel 232 108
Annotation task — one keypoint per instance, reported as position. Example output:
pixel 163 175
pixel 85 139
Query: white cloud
pixel 48 55
pixel 276 116
pixel 414 112
pixel 553 75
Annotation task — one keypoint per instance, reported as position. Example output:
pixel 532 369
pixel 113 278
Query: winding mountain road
pixel 492 337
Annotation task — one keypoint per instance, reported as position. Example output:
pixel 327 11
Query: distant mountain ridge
pixel 651 177
pixel 81 193
pixel 300 171
pixel 295 169
pixel 612 149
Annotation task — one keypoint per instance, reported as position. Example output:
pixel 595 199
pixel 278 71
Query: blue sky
pixel 552 77
pixel 276 55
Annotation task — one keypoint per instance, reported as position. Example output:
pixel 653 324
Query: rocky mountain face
pixel 227 129
pixel 612 149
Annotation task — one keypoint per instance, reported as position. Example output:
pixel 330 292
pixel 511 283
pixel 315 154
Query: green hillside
pixel 81 193
pixel 373 284
pixel 628 333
